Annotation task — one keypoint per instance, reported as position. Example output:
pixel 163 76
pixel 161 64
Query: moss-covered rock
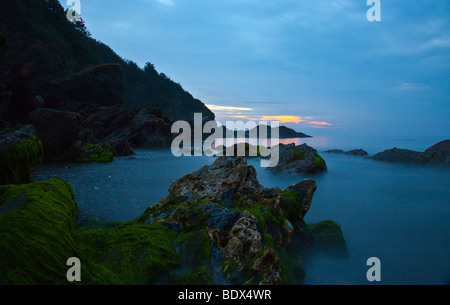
pixel 300 159
pixel 319 163
pixel 241 149
pixel 20 151
pixel 36 237
pixel 136 254
pixel 187 238
pixel 200 276
pixel 96 153
pixel 328 235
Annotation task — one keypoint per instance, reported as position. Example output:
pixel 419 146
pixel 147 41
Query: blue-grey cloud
pixel 321 59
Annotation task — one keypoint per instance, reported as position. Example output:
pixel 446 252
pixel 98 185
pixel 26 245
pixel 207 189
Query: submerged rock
pixel 436 154
pixel 301 159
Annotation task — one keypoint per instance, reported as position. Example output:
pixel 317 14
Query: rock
pixel 335 151
pixel 150 129
pixel 189 237
pixel 241 216
pixel 283 132
pixel 41 226
pixel 286 133
pixel 38 235
pixel 65 134
pixel 301 159
pixel 288 229
pixel 117 125
pixel 101 85
pixel 218 182
pixel 244 238
pixel 354 152
pixel 328 235
pixel 268 264
pixel 98 153
pixel 120 147
pixel 400 155
pixel 437 154
pixel 304 192
pixel 20 151
pixel 61 133
pixel 248 150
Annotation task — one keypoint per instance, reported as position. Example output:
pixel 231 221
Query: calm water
pixel 398 213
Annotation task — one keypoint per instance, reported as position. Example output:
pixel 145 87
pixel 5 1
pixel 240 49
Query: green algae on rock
pixel 257 231
pixel 38 235
pixel 20 151
pixel 300 159
pixel 218 225
pixel 36 238
pixel 328 235
pixel 319 162
pixel 96 153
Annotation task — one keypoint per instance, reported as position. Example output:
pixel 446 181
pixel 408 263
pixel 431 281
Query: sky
pixel 319 67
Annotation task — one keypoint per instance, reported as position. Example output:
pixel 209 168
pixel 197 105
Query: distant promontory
pixel 283 132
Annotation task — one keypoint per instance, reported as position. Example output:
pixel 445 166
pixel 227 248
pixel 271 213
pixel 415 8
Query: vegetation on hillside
pixel 38 34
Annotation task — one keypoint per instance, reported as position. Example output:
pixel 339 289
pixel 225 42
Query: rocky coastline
pixel 218 225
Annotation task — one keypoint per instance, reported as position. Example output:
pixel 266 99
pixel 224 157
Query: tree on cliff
pixel 80 26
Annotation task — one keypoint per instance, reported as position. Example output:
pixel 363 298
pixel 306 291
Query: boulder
pixel 301 159
pixel 149 129
pixel 227 180
pixel 304 191
pixel 61 133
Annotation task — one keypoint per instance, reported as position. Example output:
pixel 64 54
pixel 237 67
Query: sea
pixel 397 213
